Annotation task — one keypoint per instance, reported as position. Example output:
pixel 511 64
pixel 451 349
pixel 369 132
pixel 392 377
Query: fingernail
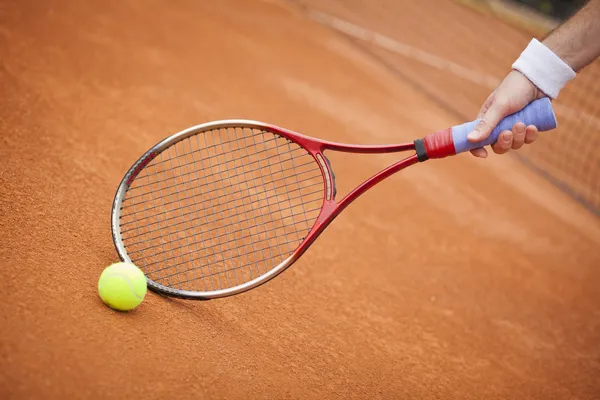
pixel 473 135
pixel 506 139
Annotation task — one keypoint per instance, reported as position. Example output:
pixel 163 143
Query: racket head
pixel 221 208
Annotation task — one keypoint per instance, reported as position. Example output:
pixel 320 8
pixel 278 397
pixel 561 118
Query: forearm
pixel 577 41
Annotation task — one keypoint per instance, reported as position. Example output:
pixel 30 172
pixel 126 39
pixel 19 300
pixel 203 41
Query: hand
pixel 512 95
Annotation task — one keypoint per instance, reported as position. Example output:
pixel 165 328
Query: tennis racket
pixel 223 207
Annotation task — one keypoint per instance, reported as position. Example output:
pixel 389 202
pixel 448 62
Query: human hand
pixel 512 95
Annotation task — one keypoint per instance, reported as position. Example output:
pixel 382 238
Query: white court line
pixel 404 49
pixel 431 60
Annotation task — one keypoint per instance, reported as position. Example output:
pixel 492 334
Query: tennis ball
pixel 122 286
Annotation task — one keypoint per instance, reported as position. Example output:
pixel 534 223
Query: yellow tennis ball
pixel 122 286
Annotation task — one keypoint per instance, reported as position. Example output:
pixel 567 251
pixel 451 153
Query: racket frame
pixel 330 209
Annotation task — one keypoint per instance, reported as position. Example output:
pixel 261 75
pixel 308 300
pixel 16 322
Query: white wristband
pixel 544 68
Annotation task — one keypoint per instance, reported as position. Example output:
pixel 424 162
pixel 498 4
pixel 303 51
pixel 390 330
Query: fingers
pixel 518 132
pixel 480 152
pixel 515 139
pixel 494 114
pixel 531 134
pixel 504 143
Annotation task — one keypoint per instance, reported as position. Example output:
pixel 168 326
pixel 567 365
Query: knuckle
pixel 519 133
pixel 502 103
pixel 520 128
pixel 483 124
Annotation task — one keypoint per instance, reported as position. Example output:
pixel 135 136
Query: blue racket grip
pixel 538 113
pixel 454 140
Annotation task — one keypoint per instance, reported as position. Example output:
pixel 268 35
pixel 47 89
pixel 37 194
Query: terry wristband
pixel 544 68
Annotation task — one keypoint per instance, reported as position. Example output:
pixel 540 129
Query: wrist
pixel 533 92
pixel 548 72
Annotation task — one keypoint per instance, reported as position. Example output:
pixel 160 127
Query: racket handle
pixel 454 140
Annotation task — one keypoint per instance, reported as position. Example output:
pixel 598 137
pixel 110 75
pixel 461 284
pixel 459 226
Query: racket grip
pixel 454 140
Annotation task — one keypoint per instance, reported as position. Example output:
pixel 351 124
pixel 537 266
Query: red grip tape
pixel 439 144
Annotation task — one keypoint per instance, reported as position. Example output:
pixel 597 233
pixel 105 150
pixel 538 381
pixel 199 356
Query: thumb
pixel 488 122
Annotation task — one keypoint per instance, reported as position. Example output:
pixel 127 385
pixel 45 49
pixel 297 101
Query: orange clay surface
pixel 456 278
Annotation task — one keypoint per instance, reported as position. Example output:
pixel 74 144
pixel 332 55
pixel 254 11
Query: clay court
pixel 457 278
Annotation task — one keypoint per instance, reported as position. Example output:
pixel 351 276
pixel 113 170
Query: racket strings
pixel 308 179
pixel 201 259
pixel 191 153
pixel 189 173
pixel 297 189
pixel 248 265
pixel 220 208
pixel 320 191
pixel 190 181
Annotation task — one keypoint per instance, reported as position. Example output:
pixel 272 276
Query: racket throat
pixel 328 213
